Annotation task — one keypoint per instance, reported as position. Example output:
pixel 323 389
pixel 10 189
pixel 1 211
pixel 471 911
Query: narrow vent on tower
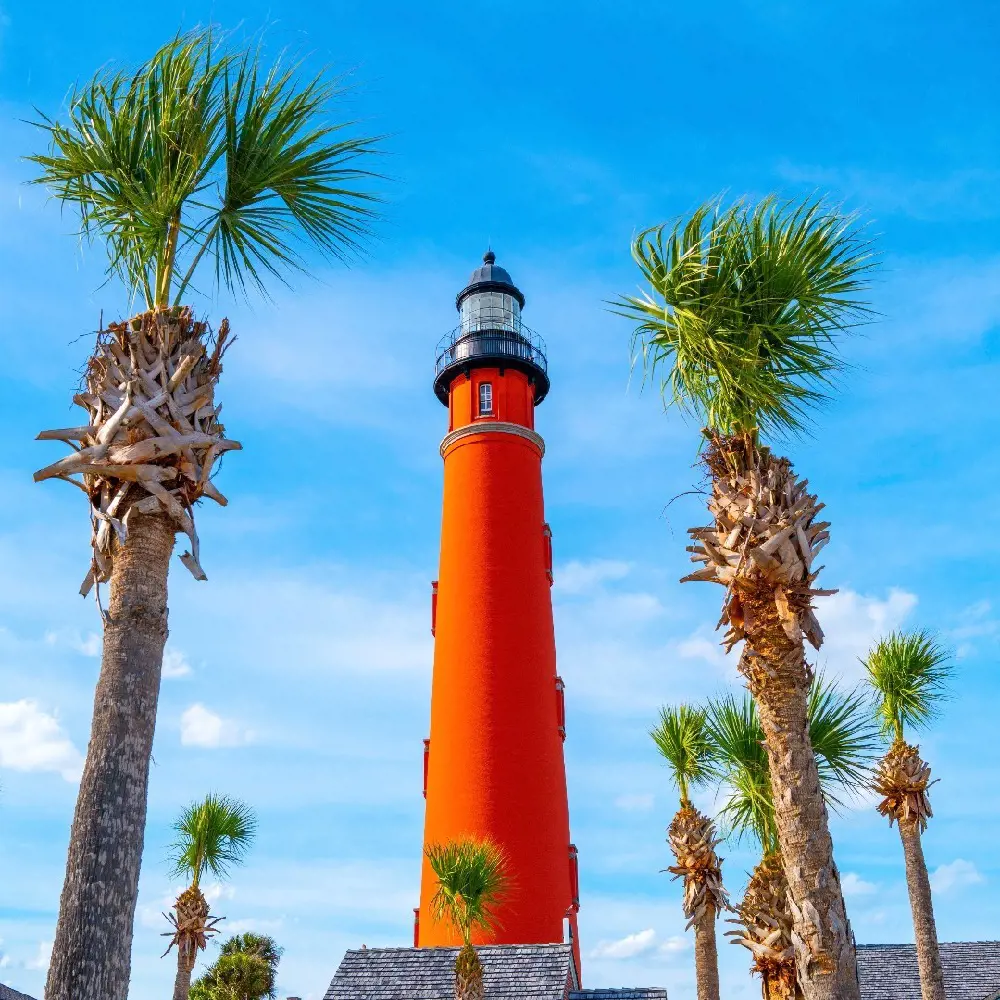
pixel 561 706
pixel 434 606
pixel 427 761
pixel 574 875
pixel 547 533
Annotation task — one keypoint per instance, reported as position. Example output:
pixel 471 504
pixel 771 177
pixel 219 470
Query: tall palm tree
pixel 741 319
pixel 908 672
pixel 212 836
pixel 245 970
pixel 683 740
pixel 199 157
pixel 844 742
pixel 473 884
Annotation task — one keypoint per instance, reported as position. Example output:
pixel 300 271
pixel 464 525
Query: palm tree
pixel 197 157
pixel 844 742
pixel 245 970
pixel 683 740
pixel 212 835
pixel 742 316
pixel 472 885
pixel 908 672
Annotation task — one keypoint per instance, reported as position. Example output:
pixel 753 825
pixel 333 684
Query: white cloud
pixel 673 945
pixel 175 663
pixel 635 803
pixel 42 957
pixel 201 727
pixel 851 624
pixel 626 947
pixel 578 577
pixel 854 885
pixel 33 740
pixel 956 874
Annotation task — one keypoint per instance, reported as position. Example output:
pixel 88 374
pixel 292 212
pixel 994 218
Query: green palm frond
pixel 473 882
pixel 741 767
pixel 212 835
pixel 199 154
pixel 909 672
pixel 683 741
pixel 843 738
pixel 744 309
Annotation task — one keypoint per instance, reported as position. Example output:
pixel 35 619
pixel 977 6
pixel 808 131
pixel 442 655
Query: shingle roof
pixel 6 993
pixel 889 971
pixel 510 972
pixel 636 993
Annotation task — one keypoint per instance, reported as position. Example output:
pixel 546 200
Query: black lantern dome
pixel 490 333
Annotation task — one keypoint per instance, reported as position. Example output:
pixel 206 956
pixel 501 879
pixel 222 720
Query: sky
pixel 298 676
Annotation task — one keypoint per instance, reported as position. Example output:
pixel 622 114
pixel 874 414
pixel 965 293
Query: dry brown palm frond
pixel 192 923
pixel 765 928
pixel 761 547
pixel 903 778
pixel 153 434
pixel 693 841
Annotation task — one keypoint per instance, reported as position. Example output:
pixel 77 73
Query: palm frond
pixel 740 765
pixel 199 154
pixel 843 738
pixel 473 883
pixel 683 741
pixel 744 309
pixel 212 836
pixel 909 672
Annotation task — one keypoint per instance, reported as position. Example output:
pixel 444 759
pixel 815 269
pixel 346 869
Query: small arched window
pixel 485 398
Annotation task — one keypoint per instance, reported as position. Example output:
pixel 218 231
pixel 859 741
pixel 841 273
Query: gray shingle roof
pixel 510 972
pixel 6 993
pixel 889 971
pixel 636 993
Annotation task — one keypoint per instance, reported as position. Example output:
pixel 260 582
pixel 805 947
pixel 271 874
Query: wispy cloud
pixel 201 727
pixel 957 874
pixel 175 664
pixel 31 739
pixel 626 947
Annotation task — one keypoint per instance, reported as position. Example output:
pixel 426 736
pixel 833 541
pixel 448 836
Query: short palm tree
pixel 472 884
pixel 245 970
pixel 212 836
pixel 199 157
pixel 740 323
pixel 844 741
pixel 682 739
pixel 908 672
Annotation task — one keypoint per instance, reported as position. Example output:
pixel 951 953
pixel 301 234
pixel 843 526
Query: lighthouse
pixel 494 765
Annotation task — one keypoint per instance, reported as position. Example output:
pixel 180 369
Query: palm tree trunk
pixel 91 956
pixel 925 930
pixel 706 957
pixel 826 965
pixel 185 966
pixel 469 983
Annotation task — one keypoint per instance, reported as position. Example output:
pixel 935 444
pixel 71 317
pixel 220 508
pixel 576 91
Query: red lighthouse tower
pixel 494 763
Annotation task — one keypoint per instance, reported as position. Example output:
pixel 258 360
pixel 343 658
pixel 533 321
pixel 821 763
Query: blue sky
pixel 298 675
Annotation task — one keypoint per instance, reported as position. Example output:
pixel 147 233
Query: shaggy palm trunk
pixel 469 975
pixel 91 955
pixel 903 778
pixel 761 547
pixel 192 928
pixel 693 841
pixel 766 929
pixel 145 456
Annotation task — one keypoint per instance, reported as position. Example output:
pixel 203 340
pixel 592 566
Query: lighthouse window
pixel 485 398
